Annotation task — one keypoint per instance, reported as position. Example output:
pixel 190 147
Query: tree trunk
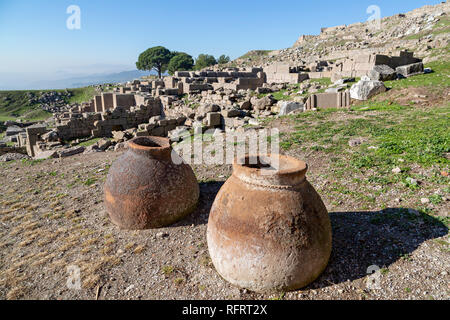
pixel 159 68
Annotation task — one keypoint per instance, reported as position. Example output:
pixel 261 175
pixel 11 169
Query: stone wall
pixel 283 73
pixel 361 65
pixel 33 136
pixel 73 126
pixel 107 101
pixel 160 127
pixel 124 100
pixel 232 78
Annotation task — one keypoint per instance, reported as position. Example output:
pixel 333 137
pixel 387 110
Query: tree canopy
pixel 204 60
pixel 180 61
pixel 162 59
pixel 223 59
pixel 156 58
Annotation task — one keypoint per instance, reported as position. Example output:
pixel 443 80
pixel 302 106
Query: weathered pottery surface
pixel 146 189
pixel 269 232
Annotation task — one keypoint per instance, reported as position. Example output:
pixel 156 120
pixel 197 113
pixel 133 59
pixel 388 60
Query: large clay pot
pixel 146 189
pixel 269 232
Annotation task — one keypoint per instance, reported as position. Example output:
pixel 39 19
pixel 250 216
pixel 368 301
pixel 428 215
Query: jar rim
pixel 287 167
pixel 149 143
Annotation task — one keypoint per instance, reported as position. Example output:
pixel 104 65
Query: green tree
pixel 156 58
pixel 181 61
pixel 223 59
pixel 204 60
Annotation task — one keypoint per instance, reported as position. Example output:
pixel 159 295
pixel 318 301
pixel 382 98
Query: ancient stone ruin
pixel 362 65
pixel 229 99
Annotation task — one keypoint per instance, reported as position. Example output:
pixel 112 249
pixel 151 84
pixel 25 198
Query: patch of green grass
pixel 392 134
pixel 30 162
pixel 80 95
pixel 280 95
pixel 179 281
pixel 384 271
pixel 89 142
pixel 322 81
pixel 90 181
pixel 435 199
pixel 411 139
pixel 167 270
pixel 15 104
pixel 379 106
pixel 279 297
pixel 255 54
pixel 439 78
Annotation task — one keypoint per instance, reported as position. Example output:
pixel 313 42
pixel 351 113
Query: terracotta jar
pixel 146 189
pixel 269 230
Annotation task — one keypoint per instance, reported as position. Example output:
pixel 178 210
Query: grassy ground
pixel 255 54
pixel 80 95
pixel 15 104
pixel 392 136
pixel 438 79
pixel 89 142
pixel 289 93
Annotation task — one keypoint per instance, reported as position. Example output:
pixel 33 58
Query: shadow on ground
pixel 364 239
pixel 208 192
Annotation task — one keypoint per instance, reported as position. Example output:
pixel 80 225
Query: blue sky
pixel 34 37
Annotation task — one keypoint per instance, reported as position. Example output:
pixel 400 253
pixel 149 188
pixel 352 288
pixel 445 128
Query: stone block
pixel 213 119
pixel 410 70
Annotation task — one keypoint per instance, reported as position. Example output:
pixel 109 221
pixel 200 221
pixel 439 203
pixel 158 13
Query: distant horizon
pixel 39 46
pixel 77 81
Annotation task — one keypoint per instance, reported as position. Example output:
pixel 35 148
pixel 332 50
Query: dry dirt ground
pixel 52 218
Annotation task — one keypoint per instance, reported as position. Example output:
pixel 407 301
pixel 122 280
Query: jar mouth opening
pixel 270 164
pixel 255 162
pixel 149 143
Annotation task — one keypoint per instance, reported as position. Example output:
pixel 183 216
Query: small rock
pixel 365 89
pixel 161 235
pixel 129 288
pixel 355 142
pixel 287 107
pixel 425 200
pixel 103 144
pixel 121 146
pixel 412 181
pixel 13 156
pixel 396 170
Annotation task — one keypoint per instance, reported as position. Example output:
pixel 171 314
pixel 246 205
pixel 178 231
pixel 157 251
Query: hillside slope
pixel 29 105
pixel 426 31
